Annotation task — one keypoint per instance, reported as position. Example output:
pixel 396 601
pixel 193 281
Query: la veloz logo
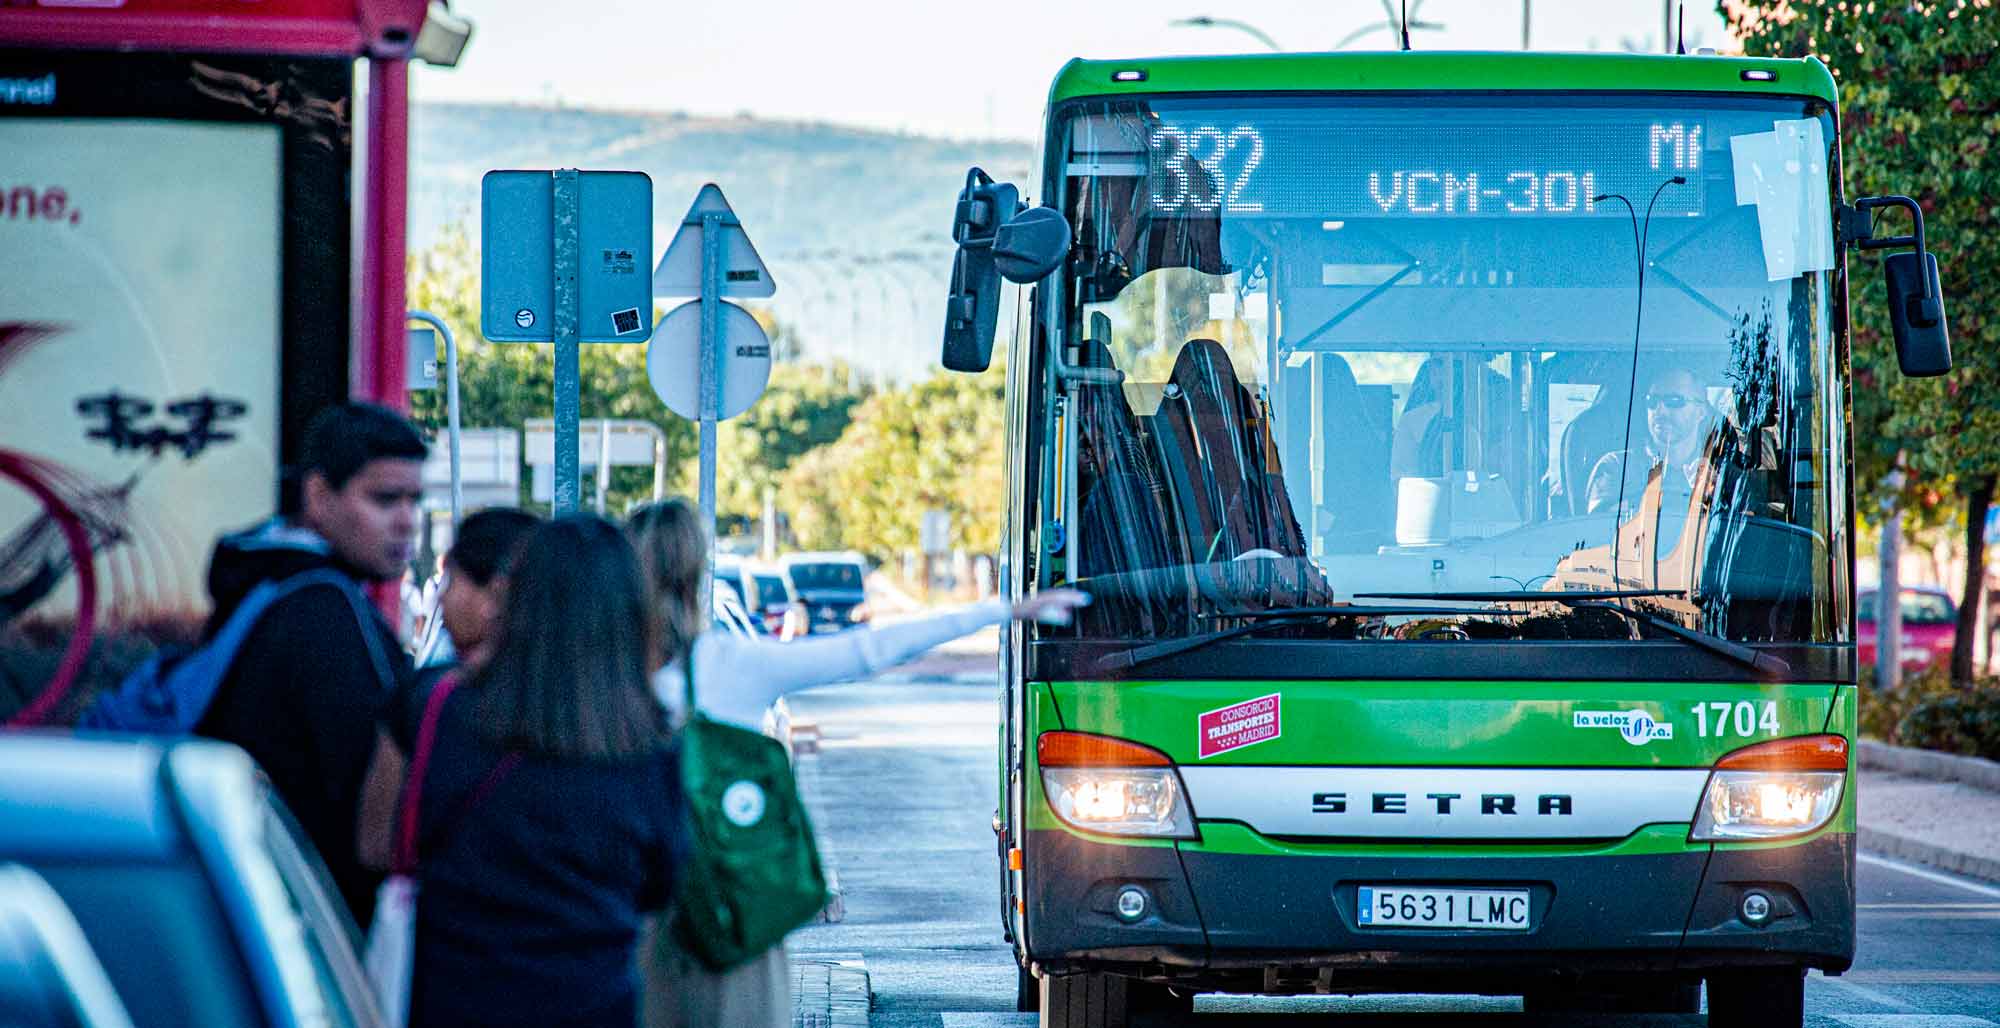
pixel 1636 726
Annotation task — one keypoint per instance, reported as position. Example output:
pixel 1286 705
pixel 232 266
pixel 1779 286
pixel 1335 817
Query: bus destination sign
pixel 1417 164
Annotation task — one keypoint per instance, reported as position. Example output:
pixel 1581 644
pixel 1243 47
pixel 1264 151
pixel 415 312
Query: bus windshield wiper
pixel 1595 600
pixel 1259 620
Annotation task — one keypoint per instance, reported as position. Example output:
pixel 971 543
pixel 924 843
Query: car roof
pixel 822 557
pixel 103 796
pixel 1927 590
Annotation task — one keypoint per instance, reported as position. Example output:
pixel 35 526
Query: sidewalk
pixel 1930 808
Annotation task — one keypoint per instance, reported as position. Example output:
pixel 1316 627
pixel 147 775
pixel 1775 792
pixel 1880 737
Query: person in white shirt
pixel 736 680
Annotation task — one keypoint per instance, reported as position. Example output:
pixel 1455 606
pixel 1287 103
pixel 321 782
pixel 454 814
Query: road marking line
pixel 1866 993
pixel 1922 977
pixel 989 1020
pixel 1932 876
pixel 1927 906
pixel 1911 1021
pixel 1936 915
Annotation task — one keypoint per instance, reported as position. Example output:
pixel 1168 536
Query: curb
pixel 1902 847
pixel 1977 772
pixel 830 990
pixel 802 739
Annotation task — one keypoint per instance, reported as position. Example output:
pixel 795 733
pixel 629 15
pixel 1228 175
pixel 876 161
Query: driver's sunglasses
pixel 1671 401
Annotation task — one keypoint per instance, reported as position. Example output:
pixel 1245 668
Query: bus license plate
pixel 1383 906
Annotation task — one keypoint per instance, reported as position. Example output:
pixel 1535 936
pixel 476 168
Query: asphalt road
pixel 905 788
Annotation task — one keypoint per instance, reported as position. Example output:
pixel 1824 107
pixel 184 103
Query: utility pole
pixel 1889 591
pixel 1203 21
pixel 1525 19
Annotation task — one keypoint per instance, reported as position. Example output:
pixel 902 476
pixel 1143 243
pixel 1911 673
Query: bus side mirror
pixel 1031 245
pixel 1916 314
pixel 1916 302
pixel 971 312
pixel 997 237
pixel 972 309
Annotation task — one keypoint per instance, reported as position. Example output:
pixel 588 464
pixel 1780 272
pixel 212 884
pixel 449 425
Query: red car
pixel 1930 622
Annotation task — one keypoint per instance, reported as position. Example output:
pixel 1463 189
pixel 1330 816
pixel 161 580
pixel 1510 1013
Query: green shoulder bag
pixel 753 873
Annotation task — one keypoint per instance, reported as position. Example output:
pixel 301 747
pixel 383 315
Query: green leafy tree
pixel 936 445
pixel 1921 90
pixel 802 409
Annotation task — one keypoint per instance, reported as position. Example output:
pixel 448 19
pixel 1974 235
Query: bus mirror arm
pixel 1916 302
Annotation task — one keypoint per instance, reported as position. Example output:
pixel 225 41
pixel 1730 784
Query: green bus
pixel 1456 448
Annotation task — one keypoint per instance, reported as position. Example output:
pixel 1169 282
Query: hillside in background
pixel 854 224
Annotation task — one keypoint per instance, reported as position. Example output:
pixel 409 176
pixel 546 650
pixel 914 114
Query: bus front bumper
pixel 1287 923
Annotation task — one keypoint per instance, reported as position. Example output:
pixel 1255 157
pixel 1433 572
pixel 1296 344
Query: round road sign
pixel 673 360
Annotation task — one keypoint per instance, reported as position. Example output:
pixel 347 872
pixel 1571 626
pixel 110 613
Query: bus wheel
pixel 1086 1001
pixel 1158 998
pixel 1027 991
pixel 1764 998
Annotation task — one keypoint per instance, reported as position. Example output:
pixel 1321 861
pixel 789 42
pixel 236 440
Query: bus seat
pixel 1121 509
pixel 1417 448
pixel 1593 433
pixel 1217 450
pixel 1354 466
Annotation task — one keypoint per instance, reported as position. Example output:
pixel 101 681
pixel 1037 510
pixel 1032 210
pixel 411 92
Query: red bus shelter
pixel 202 218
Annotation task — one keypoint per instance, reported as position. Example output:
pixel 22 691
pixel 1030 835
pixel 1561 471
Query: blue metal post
pixel 450 408
pixel 566 328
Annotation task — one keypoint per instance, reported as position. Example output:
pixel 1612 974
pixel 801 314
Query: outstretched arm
pixel 737 678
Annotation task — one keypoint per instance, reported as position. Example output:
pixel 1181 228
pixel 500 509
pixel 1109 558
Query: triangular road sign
pixel 743 272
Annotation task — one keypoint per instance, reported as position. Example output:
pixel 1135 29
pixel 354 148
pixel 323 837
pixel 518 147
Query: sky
pixel 943 68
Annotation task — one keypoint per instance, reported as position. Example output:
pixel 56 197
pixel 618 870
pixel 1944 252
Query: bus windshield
pixel 1314 350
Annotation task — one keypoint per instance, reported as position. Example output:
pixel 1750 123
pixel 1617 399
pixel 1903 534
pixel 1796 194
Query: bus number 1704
pixel 1742 718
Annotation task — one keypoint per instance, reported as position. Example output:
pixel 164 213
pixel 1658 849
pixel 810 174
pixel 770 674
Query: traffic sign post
pixel 711 257
pixel 439 328
pixel 568 369
pixel 560 264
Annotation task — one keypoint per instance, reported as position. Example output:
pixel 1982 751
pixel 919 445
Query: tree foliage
pixel 936 445
pixel 1920 91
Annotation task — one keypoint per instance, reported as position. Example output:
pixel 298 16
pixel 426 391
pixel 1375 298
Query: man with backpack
pixel 312 677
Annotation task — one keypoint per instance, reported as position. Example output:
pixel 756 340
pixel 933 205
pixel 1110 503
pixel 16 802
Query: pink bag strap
pixel 405 859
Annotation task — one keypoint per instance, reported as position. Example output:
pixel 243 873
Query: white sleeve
pixel 738 678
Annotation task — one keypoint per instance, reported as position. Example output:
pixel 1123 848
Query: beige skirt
pixel 678 991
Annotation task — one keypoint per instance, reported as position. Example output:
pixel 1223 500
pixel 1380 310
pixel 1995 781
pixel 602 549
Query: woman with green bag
pixel 734 682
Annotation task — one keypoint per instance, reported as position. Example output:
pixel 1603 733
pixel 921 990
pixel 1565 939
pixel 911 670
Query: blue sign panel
pixel 517 265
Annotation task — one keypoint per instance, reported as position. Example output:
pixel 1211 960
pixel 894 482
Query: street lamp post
pixel 1399 26
pixel 1203 21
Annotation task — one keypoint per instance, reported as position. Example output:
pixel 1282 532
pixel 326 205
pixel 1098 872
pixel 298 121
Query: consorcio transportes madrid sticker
pixel 1239 725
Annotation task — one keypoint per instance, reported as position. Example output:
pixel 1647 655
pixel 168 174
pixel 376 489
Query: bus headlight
pixel 1102 784
pixel 1773 790
pixel 1143 801
pixel 1767 804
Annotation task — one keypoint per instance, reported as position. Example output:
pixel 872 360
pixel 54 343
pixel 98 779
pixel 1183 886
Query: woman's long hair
pixel 569 676
pixel 673 550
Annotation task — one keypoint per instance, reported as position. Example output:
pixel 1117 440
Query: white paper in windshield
pixel 1783 172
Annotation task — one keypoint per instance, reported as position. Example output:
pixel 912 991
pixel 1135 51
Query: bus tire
pixel 1158 998
pixel 1762 998
pixel 1027 991
pixel 1086 1001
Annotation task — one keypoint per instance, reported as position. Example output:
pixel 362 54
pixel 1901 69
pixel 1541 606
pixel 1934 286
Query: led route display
pixel 1423 164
